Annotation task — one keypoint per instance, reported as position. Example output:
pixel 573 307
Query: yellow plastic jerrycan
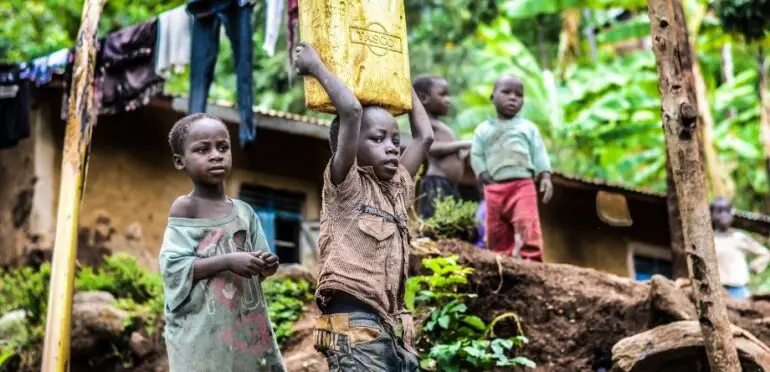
pixel 363 43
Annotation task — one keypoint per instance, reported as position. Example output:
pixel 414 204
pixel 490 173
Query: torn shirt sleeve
pixel 177 259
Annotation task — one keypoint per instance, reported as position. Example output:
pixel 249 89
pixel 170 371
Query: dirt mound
pixel 573 316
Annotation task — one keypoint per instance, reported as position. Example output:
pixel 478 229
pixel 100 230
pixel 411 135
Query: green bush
pixel 137 290
pixel 451 339
pixel 122 276
pixel 24 289
pixel 453 218
pixel 286 299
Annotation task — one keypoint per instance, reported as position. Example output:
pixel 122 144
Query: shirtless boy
pixel 446 158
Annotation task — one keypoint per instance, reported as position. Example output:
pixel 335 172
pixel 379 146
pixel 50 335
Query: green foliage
pixel 138 291
pixel 122 276
pixel 32 28
pixel 451 339
pixel 25 289
pixel 453 218
pixel 286 300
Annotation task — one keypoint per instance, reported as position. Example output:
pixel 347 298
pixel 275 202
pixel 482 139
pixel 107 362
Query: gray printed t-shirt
pixel 220 323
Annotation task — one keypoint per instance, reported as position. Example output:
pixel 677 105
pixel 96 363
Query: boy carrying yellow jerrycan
pixel 364 44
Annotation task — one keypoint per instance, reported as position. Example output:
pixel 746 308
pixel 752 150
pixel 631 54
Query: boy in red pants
pixel 508 155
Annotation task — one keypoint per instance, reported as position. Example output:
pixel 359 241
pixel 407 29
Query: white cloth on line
pixel 274 16
pixel 174 41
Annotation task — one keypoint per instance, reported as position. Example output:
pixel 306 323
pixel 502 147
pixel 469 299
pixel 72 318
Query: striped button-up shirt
pixel 364 240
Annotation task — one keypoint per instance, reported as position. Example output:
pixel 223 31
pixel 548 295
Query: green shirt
pixel 510 149
pixel 220 323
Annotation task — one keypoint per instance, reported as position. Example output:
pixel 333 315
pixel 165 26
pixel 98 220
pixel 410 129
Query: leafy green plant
pixel 286 300
pixel 122 276
pixel 450 338
pixel 453 218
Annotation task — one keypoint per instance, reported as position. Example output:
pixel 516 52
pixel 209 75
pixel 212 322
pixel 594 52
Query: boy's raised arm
pixel 422 136
pixel 348 109
pixel 448 148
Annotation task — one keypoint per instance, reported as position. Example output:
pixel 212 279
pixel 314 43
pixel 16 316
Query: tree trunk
pixel 717 175
pixel 569 37
pixel 678 256
pixel 728 71
pixel 680 119
pixel 542 52
pixel 764 113
pixel 590 35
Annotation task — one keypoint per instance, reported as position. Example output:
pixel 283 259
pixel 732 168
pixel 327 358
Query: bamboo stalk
pixel 680 127
pixel 77 138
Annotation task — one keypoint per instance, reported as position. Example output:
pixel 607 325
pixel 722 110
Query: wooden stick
pixel 80 122
pixel 680 126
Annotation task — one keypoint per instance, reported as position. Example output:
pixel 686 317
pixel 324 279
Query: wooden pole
pixel 77 138
pixel 680 128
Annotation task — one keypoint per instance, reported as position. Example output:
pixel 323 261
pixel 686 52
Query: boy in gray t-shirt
pixel 213 258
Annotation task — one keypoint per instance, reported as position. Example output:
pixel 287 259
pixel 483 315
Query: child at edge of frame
pixel 212 261
pixel 364 240
pixel 732 248
pixel 508 156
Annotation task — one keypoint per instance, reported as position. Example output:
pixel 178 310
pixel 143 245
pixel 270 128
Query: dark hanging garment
pixel 126 68
pixel 208 17
pixel 14 107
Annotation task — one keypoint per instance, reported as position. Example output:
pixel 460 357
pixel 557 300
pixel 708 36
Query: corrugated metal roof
pixel 615 187
pixel 274 113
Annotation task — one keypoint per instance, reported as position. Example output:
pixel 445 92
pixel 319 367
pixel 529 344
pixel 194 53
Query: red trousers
pixel 513 222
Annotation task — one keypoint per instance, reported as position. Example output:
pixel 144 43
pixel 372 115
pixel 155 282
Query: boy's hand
pixel 546 187
pixel 485 178
pixel 244 264
pixel 307 59
pixel 271 263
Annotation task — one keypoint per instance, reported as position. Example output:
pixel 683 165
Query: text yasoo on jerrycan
pixel 364 43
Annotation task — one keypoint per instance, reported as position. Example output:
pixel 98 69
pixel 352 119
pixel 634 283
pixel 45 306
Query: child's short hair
pixel 179 131
pixel 423 83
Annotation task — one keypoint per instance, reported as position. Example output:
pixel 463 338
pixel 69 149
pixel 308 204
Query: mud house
pixel 131 183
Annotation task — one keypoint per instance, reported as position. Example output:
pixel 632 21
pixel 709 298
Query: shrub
pixel 454 218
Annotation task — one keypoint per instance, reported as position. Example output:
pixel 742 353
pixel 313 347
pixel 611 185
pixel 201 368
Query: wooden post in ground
pixel 77 138
pixel 680 127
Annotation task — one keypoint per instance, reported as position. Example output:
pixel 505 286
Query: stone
pixel 93 297
pixel 668 299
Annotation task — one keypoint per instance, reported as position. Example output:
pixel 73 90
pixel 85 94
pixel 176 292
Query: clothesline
pixel 131 67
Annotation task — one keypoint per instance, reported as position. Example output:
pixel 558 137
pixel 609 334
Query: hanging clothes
pixel 235 16
pixel 174 41
pixel 126 69
pixel 274 16
pixel 292 11
pixel 41 70
pixel 208 8
pixel 14 106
